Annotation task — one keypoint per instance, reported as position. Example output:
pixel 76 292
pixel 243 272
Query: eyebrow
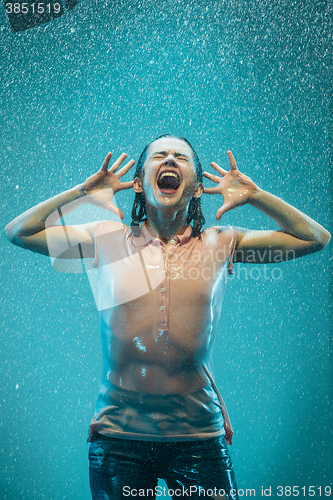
pixel 175 154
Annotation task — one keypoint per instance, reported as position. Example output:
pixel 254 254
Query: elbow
pixel 323 240
pixel 9 233
pixel 12 236
pixel 326 238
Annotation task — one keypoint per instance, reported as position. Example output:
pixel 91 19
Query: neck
pixel 165 224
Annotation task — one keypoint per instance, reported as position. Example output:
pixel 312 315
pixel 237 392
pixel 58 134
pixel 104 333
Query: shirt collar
pixel 145 236
pixel 183 238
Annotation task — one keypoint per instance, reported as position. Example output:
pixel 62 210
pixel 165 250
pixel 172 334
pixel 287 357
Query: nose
pixel 170 160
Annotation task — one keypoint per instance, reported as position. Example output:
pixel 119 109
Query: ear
pixel 137 185
pixel 199 190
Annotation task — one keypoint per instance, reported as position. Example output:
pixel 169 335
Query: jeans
pixel 125 468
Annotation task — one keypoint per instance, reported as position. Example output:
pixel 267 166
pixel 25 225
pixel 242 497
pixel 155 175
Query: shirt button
pixel 162 308
pixel 172 241
pixel 162 290
pixel 163 271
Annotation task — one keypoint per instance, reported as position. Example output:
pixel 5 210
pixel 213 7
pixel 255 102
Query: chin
pixel 168 198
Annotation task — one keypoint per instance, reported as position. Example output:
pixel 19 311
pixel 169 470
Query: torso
pixel 146 349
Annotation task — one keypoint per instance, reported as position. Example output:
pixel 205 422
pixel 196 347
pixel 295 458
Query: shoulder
pixel 221 238
pixel 109 227
pixel 109 237
pixel 219 233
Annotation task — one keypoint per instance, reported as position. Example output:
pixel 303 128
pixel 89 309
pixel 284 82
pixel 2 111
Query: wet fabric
pixel 160 307
pixel 154 417
pixel 121 468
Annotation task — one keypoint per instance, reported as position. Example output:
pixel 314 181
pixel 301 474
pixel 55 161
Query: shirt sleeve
pixel 96 235
pixel 233 246
pixel 103 238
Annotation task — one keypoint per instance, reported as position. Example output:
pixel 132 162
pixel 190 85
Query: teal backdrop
pixel 252 77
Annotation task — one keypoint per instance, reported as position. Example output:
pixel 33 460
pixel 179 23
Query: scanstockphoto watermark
pixel 265 272
pixel 122 268
pixel 23 15
pixel 199 491
pixel 183 492
pixel 134 269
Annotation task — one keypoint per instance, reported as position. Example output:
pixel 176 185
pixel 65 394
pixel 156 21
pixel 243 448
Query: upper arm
pixel 64 242
pixel 262 247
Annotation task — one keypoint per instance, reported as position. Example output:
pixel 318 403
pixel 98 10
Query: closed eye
pixel 181 157
pixel 161 154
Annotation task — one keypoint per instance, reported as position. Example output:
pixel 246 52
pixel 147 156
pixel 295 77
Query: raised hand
pixel 235 187
pixel 102 186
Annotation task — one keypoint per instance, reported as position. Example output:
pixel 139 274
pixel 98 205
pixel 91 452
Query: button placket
pixel 162 292
pixel 165 287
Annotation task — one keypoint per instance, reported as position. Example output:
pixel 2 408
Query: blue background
pixel 252 77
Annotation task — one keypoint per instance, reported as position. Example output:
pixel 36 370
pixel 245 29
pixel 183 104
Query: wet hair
pixel 194 213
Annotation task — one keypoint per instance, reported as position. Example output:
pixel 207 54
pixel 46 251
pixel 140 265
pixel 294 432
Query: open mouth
pixel 168 182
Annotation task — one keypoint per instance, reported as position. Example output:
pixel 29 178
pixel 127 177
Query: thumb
pixel 221 211
pixel 112 208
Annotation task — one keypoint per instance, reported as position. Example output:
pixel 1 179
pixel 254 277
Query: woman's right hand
pixel 102 186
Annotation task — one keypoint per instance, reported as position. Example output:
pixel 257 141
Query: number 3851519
pixel 310 491
pixel 34 8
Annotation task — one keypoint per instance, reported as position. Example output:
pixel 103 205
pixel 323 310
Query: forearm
pixel 290 220
pixel 48 212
